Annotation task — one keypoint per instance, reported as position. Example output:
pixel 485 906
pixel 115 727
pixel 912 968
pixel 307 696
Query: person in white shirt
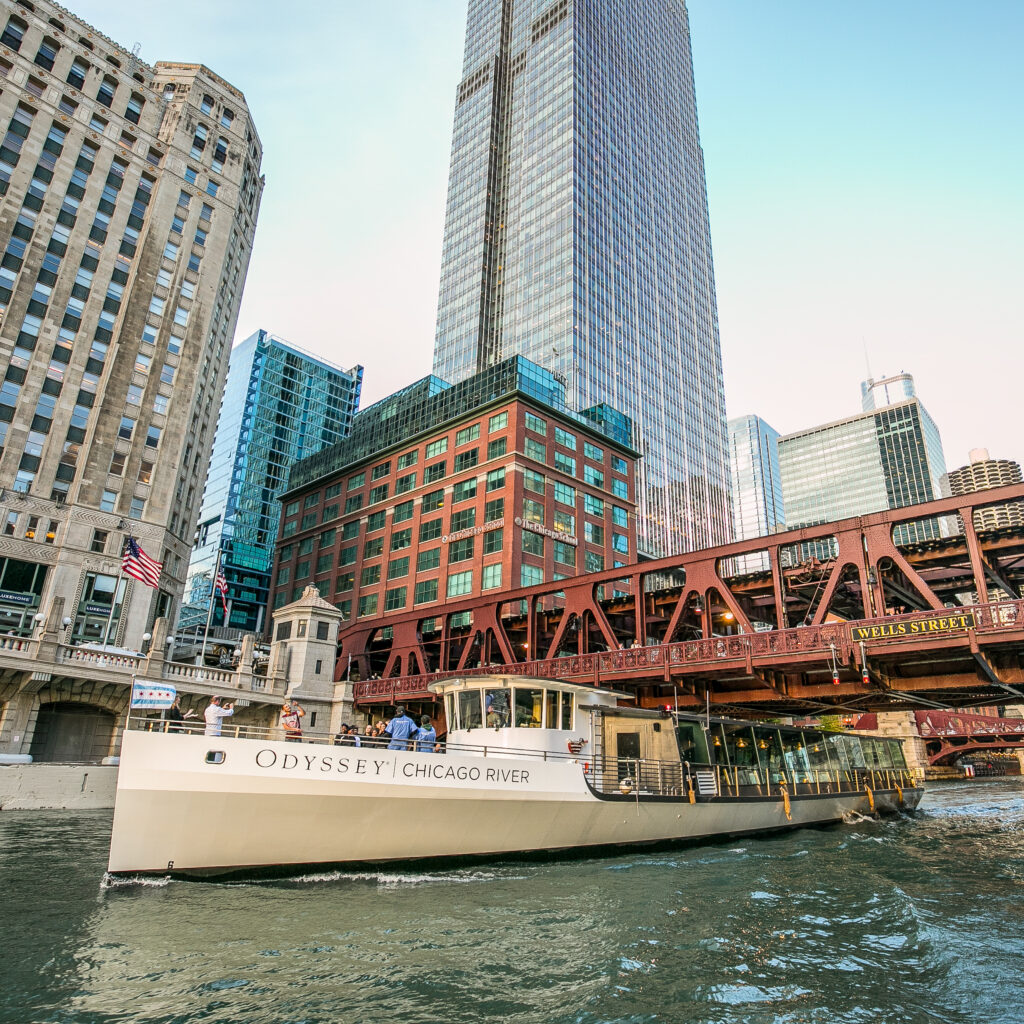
pixel 214 715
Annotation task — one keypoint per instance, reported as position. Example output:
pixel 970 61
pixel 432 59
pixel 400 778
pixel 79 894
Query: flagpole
pixel 209 611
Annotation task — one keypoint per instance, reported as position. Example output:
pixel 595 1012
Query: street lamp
pixel 146 637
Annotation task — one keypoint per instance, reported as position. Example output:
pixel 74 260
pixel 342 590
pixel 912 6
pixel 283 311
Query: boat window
pixel 498 704
pixel 692 747
pixel 896 753
pixel 817 751
pixel 449 711
pixel 566 711
pixel 769 752
pixel 469 709
pixel 875 753
pixel 551 709
pixel 795 753
pixel 853 749
pixel 739 746
pixel 528 707
pixel 716 744
pixel 741 750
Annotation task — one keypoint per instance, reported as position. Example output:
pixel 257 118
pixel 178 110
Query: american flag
pixel 137 564
pixel 221 587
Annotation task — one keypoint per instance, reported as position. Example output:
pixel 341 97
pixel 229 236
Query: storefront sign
pixel 12 597
pixel 920 627
pixel 565 538
pixel 97 609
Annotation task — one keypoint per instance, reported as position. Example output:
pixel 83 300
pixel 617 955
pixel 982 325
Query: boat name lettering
pixel 920 627
pixel 375 767
pixel 440 770
pixel 268 758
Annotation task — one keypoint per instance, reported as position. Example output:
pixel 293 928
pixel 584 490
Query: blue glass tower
pixel 280 404
pixel 577 235
pixel 757 505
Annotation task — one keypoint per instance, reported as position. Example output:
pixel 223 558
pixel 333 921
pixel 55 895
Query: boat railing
pixel 197 727
pixel 606 774
pixel 643 777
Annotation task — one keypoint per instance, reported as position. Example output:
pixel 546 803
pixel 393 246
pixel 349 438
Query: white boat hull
pixel 272 804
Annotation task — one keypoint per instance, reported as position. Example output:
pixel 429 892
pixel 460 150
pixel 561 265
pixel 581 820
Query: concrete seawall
pixel 43 787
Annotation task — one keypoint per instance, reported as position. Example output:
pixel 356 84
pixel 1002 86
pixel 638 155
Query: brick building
pixel 446 491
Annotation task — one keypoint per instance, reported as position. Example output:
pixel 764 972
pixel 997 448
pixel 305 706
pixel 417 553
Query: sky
pixel 864 164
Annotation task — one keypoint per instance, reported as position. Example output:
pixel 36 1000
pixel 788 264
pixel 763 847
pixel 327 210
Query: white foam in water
pixel 121 881
pixel 855 817
pixel 389 881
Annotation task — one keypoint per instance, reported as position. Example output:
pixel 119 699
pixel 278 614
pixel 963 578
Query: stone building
pixel 129 201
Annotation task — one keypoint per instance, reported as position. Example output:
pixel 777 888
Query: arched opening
pixel 66 731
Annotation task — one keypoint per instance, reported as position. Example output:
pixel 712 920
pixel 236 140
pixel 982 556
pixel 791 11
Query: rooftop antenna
pixel 867 361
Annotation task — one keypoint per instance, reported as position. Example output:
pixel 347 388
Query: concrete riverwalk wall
pixel 44 787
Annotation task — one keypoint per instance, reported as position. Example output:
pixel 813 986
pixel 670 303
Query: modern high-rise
pixel 980 474
pixel 878 392
pixel 280 405
pixel 757 505
pixel 130 197
pixel 577 235
pixel 887 457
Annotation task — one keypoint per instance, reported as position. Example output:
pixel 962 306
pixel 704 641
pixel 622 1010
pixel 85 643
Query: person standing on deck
pixel 426 736
pixel 400 729
pixel 214 713
pixel 292 714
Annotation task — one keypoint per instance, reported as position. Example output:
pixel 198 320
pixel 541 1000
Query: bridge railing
pixel 820 639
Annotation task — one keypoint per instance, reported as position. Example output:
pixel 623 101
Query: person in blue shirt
pixel 401 729
pixel 426 736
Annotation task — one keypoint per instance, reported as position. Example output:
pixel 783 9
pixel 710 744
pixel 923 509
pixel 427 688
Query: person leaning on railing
pixel 291 715
pixel 174 715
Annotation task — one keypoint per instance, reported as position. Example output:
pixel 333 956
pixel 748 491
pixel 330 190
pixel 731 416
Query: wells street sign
pixel 920 627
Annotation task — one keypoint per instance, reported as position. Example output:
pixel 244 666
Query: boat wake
pixel 387 880
pixel 855 817
pixel 109 881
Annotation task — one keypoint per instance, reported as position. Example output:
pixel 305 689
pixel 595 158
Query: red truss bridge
pixel 912 608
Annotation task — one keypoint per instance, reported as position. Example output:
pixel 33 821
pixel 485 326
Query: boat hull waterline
pixel 270 804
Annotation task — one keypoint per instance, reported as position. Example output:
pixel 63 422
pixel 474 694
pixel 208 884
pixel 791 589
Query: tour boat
pixel 528 766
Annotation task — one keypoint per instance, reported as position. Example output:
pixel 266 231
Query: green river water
pixel 917 919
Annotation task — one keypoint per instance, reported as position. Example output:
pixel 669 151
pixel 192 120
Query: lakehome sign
pixel 919 627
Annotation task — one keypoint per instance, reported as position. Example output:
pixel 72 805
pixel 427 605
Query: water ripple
pixel 916 920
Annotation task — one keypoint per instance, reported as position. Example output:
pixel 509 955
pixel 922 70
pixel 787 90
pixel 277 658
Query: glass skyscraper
pixel 577 235
pixel 757 505
pixel 280 404
pixel 885 458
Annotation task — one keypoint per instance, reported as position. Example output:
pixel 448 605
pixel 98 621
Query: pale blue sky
pixel 864 160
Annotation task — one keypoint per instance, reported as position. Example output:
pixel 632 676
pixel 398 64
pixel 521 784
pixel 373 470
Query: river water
pixel 919 919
